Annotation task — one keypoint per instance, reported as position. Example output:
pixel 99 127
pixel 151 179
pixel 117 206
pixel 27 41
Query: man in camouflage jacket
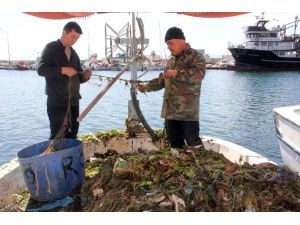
pixel 182 82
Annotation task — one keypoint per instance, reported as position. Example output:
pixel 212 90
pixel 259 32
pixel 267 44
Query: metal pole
pixel 8 49
pixel 133 69
pixel 133 121
pixel 133 43
pixel 89 50
pixel 7 45
pixel 102 93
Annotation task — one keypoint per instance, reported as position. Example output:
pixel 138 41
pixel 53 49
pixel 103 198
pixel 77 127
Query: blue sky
pixel 27 35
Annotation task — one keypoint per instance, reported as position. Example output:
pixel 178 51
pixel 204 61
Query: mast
pixel 133 121
pixel 89 50
pixel 135 115
pixel 296 24
pixel 133 44
pixel 7 41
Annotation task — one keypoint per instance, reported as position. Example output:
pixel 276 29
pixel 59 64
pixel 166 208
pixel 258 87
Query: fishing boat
pixel 287 121
pixel 267 49
pixel 235 153
pixel 21 65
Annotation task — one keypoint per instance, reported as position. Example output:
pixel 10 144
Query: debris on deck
pixel 185 180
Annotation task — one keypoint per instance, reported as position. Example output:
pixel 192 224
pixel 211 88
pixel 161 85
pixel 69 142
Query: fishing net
pixel 54 144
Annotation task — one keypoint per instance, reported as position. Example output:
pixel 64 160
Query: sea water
pixel 234 106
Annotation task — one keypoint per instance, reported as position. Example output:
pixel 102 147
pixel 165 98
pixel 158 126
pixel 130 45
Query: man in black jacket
pixel 60 65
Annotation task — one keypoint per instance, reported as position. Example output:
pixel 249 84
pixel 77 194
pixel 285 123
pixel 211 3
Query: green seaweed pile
pixel 190 180
pixel 103 136
pixel 176 180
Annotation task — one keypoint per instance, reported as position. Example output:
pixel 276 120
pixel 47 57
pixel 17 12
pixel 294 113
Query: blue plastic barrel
pixel 52 176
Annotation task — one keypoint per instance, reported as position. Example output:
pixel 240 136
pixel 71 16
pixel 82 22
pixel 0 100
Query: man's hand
pixel 68 71
pixel 170 74
pixel 87 74
pixel 142 87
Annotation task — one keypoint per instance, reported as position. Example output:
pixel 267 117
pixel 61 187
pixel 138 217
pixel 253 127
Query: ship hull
pixel 287 124
pixel 262 59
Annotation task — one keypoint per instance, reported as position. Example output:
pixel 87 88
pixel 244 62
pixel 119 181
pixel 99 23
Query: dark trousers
pixel 178 131
pixel 56 116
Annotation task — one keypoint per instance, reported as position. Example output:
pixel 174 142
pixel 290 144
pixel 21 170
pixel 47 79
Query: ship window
pixel 273 34
pixel 270 44
pixel 253 35
pixel 263 44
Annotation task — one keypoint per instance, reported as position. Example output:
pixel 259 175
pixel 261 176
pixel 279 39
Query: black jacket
pixel 53 58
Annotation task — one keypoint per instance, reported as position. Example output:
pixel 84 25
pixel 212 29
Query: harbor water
pixel 235 106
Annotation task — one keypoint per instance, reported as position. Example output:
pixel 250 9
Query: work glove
pixel 142 88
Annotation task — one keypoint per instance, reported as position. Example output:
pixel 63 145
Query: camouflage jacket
pixel 182 92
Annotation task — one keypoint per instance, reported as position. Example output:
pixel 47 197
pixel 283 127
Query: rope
pixel 100 95
pixel 140 114
pixel 66 126
pixel 127 81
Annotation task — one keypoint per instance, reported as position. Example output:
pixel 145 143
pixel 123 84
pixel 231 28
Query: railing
pixel 272 48
pixel 235 45
pixel 263 39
